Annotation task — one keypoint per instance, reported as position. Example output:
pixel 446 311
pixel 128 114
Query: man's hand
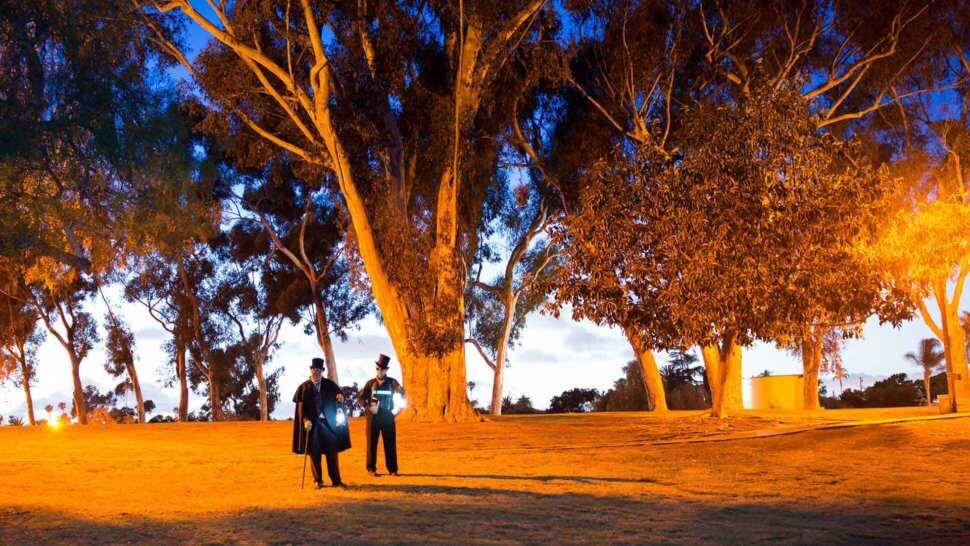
pixel 340 398
pixel 307 424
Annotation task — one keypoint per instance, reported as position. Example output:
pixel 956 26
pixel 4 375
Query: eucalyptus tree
pixel 61 307
pixel 740 239
pixel 120 349
pixel 253 313
pixel 20 337
pixel 924 247
pixel 397 102
pixel 496 309
pixel 845 63
pixel 155 287
pixel 66 117
pixel 309 261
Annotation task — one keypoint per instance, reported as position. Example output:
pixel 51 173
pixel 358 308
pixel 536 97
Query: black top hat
pixel 383 362
pixel 316 364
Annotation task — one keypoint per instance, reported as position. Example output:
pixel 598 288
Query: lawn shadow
pixel 577 479
pixel 448 515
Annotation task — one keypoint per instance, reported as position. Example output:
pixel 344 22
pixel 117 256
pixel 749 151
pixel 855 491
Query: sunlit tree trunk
pixel 811 364
pixel 723 365
pixel 263 402
pixel 215 400
pixel 498 378
pixel 68 344
pixel 951 333
pixel 25 374
pixel 648 367
pixel 133 375
pixel 80 407
pixel 182 373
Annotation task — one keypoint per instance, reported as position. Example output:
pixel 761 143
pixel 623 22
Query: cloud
pixel 533 356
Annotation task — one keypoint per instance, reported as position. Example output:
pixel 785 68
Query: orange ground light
pixel 544 479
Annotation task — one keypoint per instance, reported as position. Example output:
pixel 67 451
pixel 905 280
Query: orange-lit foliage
pixel 748 236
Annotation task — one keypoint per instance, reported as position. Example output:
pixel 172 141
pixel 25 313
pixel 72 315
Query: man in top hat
pixel 319 421
pixel 377 397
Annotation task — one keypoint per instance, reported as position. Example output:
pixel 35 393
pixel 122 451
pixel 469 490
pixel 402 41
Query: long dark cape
pixel 304 398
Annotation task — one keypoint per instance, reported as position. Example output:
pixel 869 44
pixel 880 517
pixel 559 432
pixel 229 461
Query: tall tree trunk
pixel 437 386
pixel 215 398
pixel 950 331
pixel 133 376
pixel 261 379
pixel 200 344
pixel 79 406
pixel 498 379
pixel 323 336
pixel 648 367
pixel 182 373
pixel 25 373
pixel 723 366
pixel 926 386
pixel 811 363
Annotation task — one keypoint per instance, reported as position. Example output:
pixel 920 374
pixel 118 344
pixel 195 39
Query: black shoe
pixel 318 485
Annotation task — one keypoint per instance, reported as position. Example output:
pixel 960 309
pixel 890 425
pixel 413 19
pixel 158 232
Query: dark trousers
pixel 379 425
pixel 324 442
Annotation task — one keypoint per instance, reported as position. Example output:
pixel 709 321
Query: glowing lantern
pixel 399 403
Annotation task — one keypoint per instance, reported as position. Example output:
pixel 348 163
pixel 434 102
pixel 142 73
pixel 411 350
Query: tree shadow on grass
pixel 577 479
pixel 443 514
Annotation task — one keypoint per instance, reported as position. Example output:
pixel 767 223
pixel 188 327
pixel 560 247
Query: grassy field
pixel 626 478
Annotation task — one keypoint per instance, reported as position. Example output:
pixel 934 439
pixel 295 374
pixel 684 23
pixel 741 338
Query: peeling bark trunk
pixel 182 374
pixel 437 387
pixel 954 344
pixel 133 375
pixel 80 407
pixel 25 373
pixel 215 401
pixel 723 366
pixel 653 383
pixel 811 364
pixel 263 404
pixel 498 379
pixel 954 337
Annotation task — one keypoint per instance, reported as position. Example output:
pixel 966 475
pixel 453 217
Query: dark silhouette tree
pixel 20 337
pixel 576 400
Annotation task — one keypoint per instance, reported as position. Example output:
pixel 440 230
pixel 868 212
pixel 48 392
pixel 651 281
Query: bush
pixel 687 397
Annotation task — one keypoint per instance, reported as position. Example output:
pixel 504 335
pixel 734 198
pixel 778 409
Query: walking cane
pixel 305 451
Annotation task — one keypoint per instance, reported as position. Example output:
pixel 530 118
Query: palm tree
pixel 929 357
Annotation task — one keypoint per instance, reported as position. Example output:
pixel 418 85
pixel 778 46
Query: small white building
pixel 777 392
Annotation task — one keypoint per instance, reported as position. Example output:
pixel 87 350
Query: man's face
pixel 316 374
pixel 381 372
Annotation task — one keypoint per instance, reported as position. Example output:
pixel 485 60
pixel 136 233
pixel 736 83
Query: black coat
pixel 303 398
